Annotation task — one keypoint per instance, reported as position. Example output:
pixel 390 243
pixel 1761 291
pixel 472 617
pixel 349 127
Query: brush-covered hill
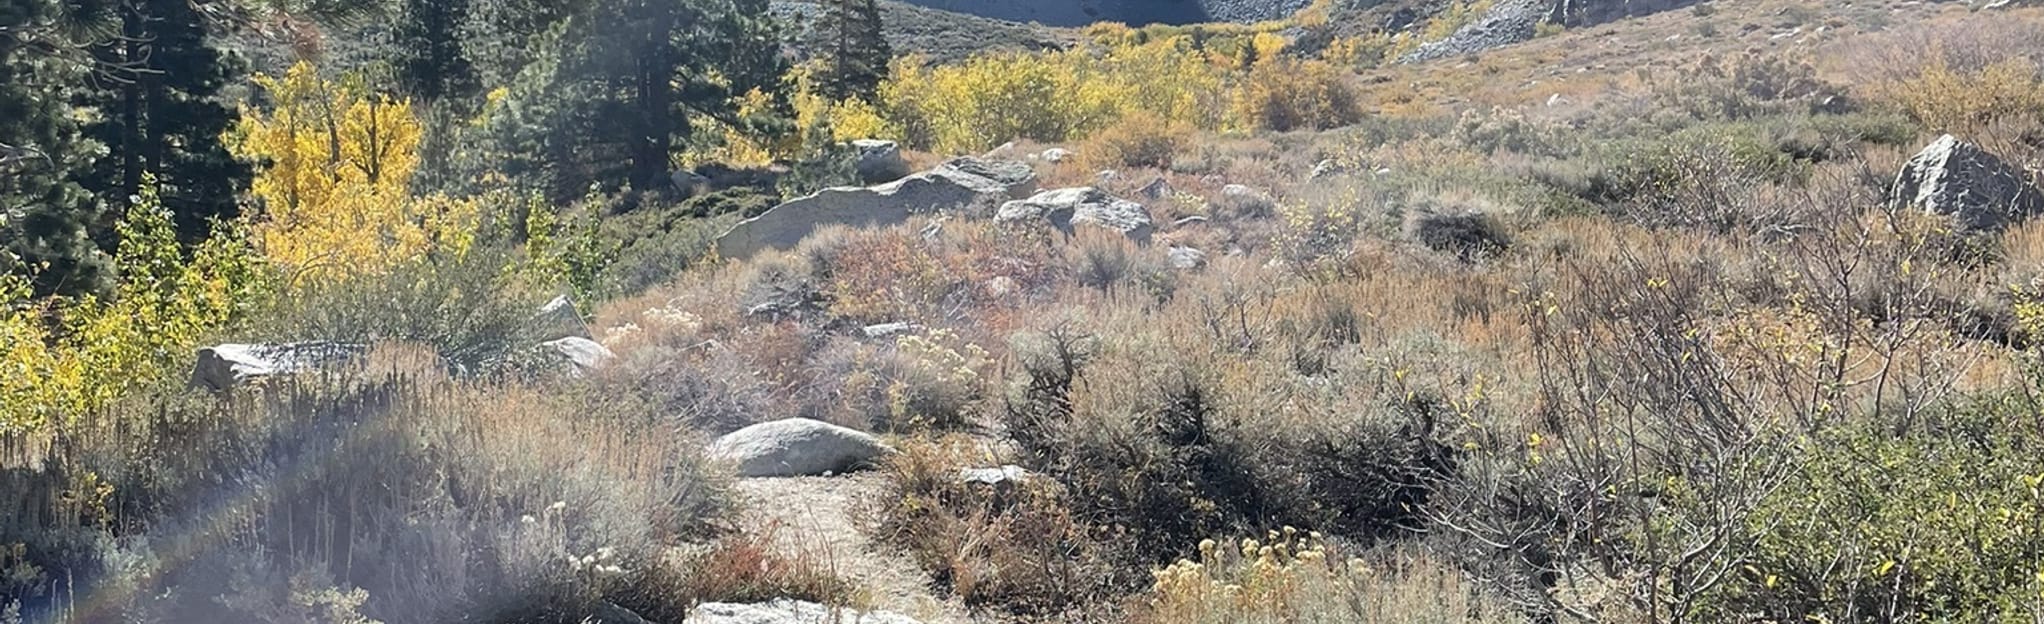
pixel 1083 12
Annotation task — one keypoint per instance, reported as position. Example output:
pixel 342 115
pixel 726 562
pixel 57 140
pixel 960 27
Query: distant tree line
pixel 101 97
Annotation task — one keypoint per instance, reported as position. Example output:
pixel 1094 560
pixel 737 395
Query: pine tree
pixel 431 64
pixel 626 84
pixel 855 49
pixel 157 93
pixel 45 217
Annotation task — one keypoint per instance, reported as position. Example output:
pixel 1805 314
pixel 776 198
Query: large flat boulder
pixel 797 447
pixel 225 366
pixel 962 184
pixel 1067 209
pixel 786 611
pixel 1958 178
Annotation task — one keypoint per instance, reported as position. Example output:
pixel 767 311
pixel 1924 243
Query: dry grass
pixel 433 496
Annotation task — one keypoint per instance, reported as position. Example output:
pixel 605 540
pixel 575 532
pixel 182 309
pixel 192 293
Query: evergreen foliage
pixel 157 88
pixel 44 214
pixel 856 52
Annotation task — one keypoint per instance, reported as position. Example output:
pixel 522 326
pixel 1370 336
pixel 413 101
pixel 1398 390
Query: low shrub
pixel 1138 140
pixel 1016 546
pixel 928 380
pixel 1946 99
pixel 1284 94
pixel 1292 577
pixel 1469 236
pixel 475 310
pixel 1869 523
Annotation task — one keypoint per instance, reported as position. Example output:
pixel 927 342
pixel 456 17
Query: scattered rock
pixel 225 366
pixel 1071 207
pixel 560 318
pixel 610 613
pixel 1009 473
pixel 1242 201
pixel 1002 152
pixel 1958 178
pixel 786 611
pixel 577 355
pixel 797 447
pixel 879 161
pixel 1107 175
pixel 689 183
pixel 1326 167
pixel 884 330
pixel 962 184
pixel 1000 286
pixel 1056 155
pixel 1155 190
pixel 1187 258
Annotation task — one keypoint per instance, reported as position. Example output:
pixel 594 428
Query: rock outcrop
pixel 225 366
pixel 1506 23
pixel 1066 209
pixel 788 612
pixel 797 447
pixel 576 355
pixel 559 318
pixel 962 184
pixel 1957 178
pixel 879 161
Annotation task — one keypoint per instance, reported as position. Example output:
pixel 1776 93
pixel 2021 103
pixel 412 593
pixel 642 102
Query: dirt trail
pixel 815 515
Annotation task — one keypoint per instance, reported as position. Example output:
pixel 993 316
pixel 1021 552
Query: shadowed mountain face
pixel 1083 12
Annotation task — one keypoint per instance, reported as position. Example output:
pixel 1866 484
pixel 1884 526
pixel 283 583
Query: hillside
pixel 1136 12
pixel 947 312
pixel 945 36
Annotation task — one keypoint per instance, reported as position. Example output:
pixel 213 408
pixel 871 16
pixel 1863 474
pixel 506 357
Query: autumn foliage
pixel 335 185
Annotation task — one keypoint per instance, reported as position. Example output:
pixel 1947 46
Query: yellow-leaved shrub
pixel 1285 94
pixel 63 358
pixel 337 162
pixel 1049 96
pixel 1948 99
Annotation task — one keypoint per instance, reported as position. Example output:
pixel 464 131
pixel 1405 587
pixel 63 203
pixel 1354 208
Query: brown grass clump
pixel 1288 576
pixel 751 565
pixel 1138 140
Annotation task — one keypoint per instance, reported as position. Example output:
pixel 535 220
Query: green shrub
pixel 475 310
pixel 1944 525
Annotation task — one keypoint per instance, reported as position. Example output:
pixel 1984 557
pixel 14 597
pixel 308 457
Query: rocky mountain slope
pixel 1083 12
pixel 943 35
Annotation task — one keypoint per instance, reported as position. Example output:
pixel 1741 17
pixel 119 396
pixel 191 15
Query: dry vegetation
pixel 1663 354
